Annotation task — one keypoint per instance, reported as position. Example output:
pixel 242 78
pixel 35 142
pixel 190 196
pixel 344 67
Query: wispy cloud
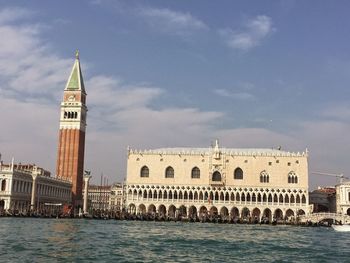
pixel 251 35
pixel 234 95
pixel 14 14
pixel 339 112
pixel 172 22
pixel 32 79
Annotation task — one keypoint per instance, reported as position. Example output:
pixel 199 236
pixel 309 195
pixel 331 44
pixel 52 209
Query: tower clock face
pixel 71 98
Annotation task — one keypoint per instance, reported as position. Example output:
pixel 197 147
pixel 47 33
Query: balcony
pixel 216 183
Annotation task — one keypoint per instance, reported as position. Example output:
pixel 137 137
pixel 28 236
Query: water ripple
pixel 62 240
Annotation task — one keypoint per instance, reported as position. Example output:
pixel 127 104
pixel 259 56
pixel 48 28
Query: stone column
pixel 32 201
pixel 86 186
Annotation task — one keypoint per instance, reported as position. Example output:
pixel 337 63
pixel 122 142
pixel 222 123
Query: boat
pixel 341 228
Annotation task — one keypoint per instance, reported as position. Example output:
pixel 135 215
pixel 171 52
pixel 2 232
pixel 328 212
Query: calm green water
pixel 75 240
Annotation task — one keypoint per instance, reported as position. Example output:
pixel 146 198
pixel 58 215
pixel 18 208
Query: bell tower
pixel 71 145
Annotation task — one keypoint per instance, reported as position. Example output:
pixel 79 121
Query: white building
pixel 236 183
pixel 343 198
pixel 25 187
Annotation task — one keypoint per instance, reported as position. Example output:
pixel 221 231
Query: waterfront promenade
pixel 321 219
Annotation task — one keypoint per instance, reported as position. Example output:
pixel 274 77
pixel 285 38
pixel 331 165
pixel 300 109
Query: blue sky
pixel 178 73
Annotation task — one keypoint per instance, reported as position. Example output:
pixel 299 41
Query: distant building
pixel 116 200
pixel 236 183
pixel 323 199
pixel 343 198
pixel 25 187
pixel 107 197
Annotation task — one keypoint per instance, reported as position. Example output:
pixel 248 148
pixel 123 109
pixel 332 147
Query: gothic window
pixel 238 174
pixel 264 177
pixel 216 176
pixel 196 173
pixel 144 171
pixel 292 178
pixel 169 172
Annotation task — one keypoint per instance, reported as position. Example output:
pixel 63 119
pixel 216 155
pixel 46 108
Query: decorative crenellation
pixel 210 151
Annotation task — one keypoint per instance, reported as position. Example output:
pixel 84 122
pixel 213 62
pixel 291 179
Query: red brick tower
pixel 70 158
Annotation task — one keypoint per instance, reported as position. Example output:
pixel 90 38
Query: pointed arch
pixel 238 174
pixel 186 195
pixel 232 197
pixel 144 172
pixel 303 199
pixel 169 172
pixel 216 176
pixel 195 173
pixel 248 197
pixel 195 196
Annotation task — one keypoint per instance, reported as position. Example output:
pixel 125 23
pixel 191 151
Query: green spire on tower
pixel 75 81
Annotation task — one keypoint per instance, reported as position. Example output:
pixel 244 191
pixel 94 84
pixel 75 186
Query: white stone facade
pixel 243 183
pixel 343 198
pixel 18 181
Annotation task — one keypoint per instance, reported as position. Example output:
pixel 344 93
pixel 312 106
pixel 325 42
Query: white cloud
pixel 27 67
pixel 254 31
pixel 14 14
pixel 122 114
pixel 119 113
pixel 173 22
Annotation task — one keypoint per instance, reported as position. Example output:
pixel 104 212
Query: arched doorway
pixel 224 212
pixel 192 212
pixel 256 214
pixel 162 210
pixel 132 209
pixel 278 214
pixel 213 211
pixel 216 176
pixel 172 211
pixel 301 212
pixel 203 212
pixel 245 213
pixel 142 209
pixel 151 209
pixel 289 214
pixel 234 212
pixel 2 205
pixel 183 211
pixel 267 215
